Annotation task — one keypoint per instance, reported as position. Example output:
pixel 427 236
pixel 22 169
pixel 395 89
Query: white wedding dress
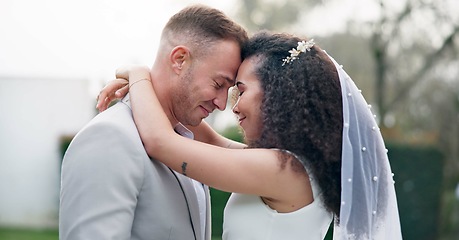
pixel 247 217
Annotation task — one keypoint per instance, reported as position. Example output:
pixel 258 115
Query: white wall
pixel 34 113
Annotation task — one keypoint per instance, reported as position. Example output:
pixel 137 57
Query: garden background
pixel 56 55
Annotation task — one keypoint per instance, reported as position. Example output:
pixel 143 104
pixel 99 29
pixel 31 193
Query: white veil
pixel 368 202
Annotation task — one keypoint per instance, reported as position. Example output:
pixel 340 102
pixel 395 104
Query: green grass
pixel 28 234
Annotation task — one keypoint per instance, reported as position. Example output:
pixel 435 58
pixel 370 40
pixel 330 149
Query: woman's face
pixel 249 96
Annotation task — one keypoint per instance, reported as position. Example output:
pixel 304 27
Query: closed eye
pixel 238 87
pixel 217 85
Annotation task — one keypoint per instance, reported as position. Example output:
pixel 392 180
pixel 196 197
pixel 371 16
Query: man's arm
pixel 101 175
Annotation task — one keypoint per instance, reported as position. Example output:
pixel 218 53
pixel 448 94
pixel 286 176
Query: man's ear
pixel 180 55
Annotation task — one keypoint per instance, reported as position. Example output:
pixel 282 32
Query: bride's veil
pixel 368 201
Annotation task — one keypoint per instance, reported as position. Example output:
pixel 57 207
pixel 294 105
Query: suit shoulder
pixel 117 120
pixel 110 133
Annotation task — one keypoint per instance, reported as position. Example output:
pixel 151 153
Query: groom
pixel 110 189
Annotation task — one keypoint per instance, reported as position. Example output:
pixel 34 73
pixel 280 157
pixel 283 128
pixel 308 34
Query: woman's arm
pixel 204 133
pixel 251 171
pixel 118 88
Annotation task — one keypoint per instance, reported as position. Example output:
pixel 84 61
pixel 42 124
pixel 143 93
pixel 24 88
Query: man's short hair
pixel 199 27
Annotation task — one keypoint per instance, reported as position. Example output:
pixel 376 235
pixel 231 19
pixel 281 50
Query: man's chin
pixel 192 123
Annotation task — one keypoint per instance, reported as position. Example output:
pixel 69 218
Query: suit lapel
pixel 188 189
pixel 208 214
pixel 191 199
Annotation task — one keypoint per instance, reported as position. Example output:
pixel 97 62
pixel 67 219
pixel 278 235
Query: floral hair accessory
pixel 302 47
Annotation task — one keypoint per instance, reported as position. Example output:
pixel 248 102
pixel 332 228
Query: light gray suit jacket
pixel 110 189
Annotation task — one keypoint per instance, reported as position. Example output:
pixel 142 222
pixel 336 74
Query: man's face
pixel 204 85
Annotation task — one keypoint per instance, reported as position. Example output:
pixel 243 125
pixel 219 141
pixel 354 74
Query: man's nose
pixel 220 101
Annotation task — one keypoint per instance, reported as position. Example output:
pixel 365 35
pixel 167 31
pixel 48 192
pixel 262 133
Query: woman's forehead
pixel 246 71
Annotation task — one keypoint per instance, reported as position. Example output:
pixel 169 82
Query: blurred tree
pixel 407 41
pixel 411 44
pixel 416 79
pixel 272 15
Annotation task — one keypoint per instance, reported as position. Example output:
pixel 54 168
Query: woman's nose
pixel 235 107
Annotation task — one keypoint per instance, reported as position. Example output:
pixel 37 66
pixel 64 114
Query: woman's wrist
pixel 133 73
pixel 137 74
pixel 131 83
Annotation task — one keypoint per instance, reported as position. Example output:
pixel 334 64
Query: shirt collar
pixel 182 130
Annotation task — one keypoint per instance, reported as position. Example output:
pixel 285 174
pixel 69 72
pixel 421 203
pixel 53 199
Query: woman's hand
pixel 115 89
pixel 119 87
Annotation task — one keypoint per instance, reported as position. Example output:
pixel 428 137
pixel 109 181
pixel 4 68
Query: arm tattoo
pixel 184 168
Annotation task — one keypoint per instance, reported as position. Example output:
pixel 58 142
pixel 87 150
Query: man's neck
pixel 163 93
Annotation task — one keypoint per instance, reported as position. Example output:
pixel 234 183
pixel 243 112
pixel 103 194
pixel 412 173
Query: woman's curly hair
pixel 301 108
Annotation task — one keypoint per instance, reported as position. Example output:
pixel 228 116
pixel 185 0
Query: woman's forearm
pixel 204 133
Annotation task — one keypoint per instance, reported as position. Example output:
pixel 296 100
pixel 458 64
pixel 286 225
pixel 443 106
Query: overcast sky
pixel 84 38
pixel 90 38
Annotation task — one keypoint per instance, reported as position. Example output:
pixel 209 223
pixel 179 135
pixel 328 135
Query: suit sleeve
pixel 101 177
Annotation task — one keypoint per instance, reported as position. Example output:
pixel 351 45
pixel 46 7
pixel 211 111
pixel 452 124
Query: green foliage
pixel 218 202
pixel 64 143
pixel 219 198
pixel 28 234
pixel 450 215
pixel 418 182
pixel 233 133
pixel 329 235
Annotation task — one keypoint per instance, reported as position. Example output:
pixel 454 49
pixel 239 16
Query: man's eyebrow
pixel 228 79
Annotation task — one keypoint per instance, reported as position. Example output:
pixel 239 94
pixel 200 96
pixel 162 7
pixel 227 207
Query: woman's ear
pixel 178 57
